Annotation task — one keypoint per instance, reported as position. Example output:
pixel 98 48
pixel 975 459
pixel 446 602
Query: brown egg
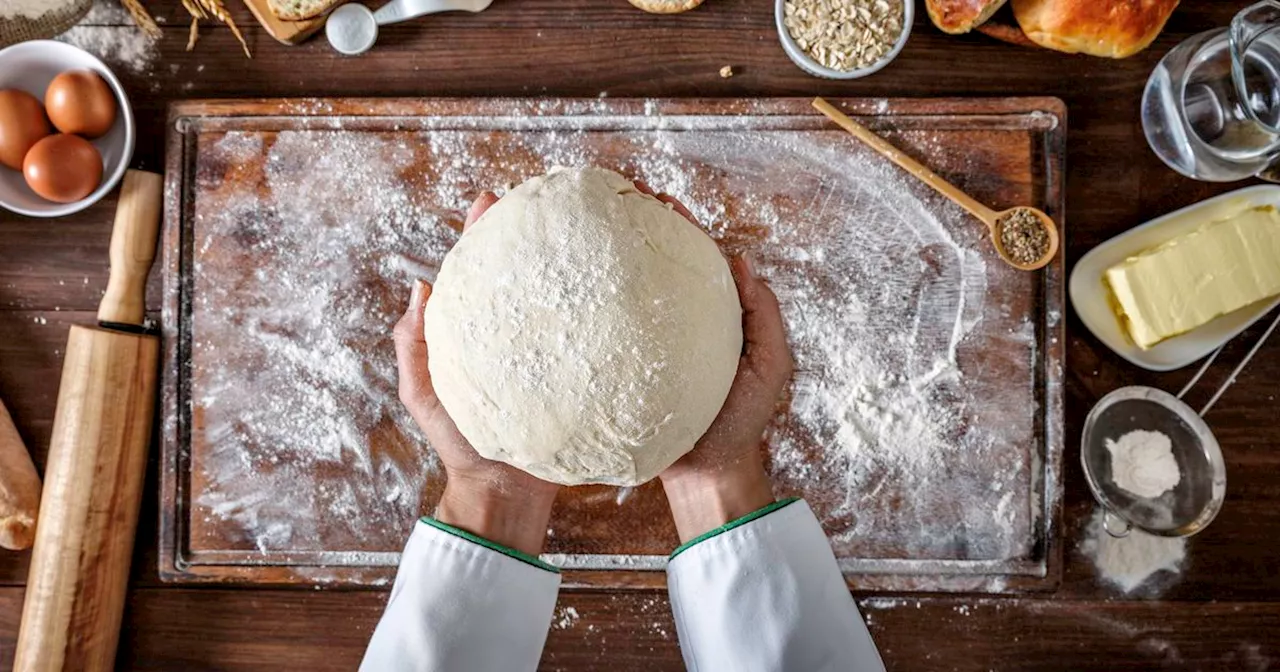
pixel 79 102
pixel 22 124
pixel 63 168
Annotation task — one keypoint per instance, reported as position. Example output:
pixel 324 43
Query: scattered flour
pixel 1142 463
pixel 298 416
pixel 883 286
pixel 1128 562
pixel 107 13
pixel 911 430
pixel 109 33
pixel 565 618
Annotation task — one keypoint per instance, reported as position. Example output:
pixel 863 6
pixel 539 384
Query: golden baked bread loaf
pixel 961 16
pixel 1111 28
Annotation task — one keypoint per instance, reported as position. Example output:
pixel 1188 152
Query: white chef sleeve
pixel 463 603
pixel 764 593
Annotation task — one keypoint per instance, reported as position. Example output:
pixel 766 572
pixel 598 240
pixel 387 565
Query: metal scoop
pixel 353 28
pixel 1194 502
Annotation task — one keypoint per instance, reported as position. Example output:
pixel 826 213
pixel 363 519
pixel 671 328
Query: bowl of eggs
pixel 66 129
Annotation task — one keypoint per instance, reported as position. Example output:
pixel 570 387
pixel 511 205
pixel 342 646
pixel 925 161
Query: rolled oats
pixel 844 34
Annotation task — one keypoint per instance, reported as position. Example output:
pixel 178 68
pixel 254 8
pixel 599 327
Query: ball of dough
pixel 583 331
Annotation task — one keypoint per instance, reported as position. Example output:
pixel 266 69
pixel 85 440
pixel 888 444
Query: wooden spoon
pixel 994 220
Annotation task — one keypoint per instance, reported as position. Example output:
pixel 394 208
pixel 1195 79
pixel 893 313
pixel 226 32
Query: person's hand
pixel 489 499
pixel 723 477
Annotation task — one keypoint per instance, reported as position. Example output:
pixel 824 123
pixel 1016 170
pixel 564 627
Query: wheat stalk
pixel 196 14
pixel 219 11
pixel 143 18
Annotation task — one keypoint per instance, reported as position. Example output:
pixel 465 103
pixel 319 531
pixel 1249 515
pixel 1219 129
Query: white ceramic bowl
pixel 1090 297
pixel 30 66
pixel 806 63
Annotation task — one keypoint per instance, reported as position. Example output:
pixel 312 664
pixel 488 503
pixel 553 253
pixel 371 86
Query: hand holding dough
pixel 583 331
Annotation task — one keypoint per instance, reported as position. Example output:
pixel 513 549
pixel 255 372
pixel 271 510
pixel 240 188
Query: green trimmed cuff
pixel 509 552
pixel 759 513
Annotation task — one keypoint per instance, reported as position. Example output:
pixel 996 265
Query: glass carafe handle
pixel 1254 74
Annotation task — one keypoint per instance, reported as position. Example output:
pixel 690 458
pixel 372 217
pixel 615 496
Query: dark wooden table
pixel 1222 612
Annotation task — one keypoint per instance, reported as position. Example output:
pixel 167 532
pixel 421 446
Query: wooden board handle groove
pixel 133 248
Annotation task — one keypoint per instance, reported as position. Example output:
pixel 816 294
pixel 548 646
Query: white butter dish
pixel 1089 295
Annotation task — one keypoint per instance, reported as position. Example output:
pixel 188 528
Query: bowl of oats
pixel 843 39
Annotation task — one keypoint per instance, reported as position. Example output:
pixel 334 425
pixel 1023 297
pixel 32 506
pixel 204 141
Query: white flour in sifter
pixel 1142 463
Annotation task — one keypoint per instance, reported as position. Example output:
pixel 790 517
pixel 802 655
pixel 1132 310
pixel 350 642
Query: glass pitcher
pixel 1211 109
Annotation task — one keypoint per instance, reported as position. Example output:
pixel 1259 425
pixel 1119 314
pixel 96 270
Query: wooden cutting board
pixel 285 32
pixel 925 423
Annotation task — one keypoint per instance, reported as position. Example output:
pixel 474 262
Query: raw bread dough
pixel 583 331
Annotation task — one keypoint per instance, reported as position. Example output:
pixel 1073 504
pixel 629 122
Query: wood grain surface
pixel 1221 613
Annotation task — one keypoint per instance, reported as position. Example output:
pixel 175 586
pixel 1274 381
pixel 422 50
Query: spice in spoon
pixel 1023 236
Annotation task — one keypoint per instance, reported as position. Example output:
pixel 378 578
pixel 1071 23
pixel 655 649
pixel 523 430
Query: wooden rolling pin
pixel 97 460
pixel 19 488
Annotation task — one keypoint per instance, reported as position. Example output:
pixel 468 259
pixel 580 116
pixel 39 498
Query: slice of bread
pixel 297 10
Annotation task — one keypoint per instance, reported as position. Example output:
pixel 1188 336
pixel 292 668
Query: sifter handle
pixel 133 248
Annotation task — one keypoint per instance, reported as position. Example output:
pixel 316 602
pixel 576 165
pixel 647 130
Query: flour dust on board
pixel 912 423
pixel 294 361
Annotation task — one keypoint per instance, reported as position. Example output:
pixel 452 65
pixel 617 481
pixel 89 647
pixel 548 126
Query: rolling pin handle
pixel 133 248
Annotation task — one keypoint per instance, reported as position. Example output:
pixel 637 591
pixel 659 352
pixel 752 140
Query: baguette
pixel 19 488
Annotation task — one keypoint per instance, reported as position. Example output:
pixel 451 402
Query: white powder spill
pixel 107 13
pixel 564 618
pixel 109 33
pixel 293 364
pixel 911 430
pixel 1129 562
pixel 120 46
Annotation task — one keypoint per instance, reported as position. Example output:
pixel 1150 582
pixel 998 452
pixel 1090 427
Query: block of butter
pixel 1179 285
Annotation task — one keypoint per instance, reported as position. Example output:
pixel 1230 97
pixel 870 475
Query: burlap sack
pixel 15 30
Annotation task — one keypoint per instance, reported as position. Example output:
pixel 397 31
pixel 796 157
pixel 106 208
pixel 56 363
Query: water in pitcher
pixel 1211 109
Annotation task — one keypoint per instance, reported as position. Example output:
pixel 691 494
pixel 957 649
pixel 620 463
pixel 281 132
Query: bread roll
pixel 1110 28
pixel 961 16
